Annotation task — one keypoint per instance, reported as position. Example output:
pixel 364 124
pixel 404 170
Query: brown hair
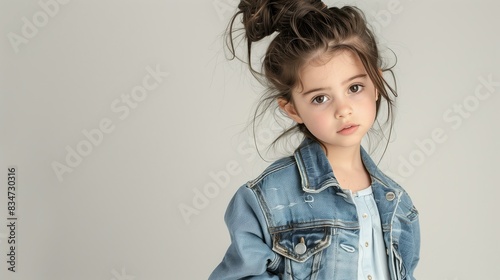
pixel 303 30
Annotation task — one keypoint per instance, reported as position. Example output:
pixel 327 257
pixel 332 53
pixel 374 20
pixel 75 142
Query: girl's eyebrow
pixel 354 77
pixel 344 82
pixel 313 90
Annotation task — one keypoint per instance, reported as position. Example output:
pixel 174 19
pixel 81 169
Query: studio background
pixel 127 128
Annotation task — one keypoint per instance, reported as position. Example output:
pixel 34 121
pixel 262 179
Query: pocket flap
pixel 299 244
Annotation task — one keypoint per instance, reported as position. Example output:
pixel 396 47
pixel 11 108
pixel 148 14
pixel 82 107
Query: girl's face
pixel 334 96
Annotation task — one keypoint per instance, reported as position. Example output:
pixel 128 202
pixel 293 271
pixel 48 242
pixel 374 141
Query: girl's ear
pixel 289 109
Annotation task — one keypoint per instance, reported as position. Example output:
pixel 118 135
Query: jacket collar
pixel 315 170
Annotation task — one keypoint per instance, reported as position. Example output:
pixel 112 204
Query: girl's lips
pixel 348 130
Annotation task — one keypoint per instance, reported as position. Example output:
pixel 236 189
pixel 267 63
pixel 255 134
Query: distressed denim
pixel 295 222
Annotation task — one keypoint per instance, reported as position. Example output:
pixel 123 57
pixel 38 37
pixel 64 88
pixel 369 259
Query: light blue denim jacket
pixel 295 222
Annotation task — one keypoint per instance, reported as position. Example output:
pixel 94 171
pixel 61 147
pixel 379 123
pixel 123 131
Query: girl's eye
pixel 356 88
pixel 320 99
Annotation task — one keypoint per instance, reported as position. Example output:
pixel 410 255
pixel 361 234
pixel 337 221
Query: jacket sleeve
pixel 249 256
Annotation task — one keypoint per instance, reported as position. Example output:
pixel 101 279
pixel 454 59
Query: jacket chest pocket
pixel 303 250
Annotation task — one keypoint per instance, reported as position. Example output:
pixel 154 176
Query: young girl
pixel 327 211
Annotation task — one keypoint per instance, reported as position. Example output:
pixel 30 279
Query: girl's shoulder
pixel 281 169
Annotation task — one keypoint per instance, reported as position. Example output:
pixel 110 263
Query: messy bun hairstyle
pixel 304 30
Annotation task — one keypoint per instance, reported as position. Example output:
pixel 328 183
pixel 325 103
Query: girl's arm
pixel 249 256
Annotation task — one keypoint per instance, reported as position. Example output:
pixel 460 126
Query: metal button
pixel 369 277
pixel 366 244
pixel 301 247
pixel 365 215
pixel 390 196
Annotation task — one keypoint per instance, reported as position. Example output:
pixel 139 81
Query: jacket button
pixel 390 196
pixel 301 247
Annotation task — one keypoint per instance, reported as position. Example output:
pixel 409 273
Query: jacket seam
pixel 251 184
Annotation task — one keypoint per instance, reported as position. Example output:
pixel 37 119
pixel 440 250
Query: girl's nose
pixel 343 109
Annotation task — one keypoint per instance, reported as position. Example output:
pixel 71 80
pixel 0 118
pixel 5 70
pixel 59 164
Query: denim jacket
pixel 295 222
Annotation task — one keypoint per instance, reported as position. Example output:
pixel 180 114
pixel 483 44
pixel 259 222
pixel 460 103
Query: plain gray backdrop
pixel 127 126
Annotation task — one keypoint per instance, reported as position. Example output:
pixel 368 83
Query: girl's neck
pixel 348 168
pixel 345 158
